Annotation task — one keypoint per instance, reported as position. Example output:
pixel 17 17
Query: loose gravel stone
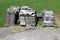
pixel 48 33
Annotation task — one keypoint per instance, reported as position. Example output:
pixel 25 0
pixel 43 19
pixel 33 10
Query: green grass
pixel 40 22
pixel 37 5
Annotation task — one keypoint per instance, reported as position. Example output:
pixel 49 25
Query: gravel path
pixel 47 33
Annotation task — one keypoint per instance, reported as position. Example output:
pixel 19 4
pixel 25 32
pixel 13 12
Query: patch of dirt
pixel 47 33
pixel 13 30
pixel 57 19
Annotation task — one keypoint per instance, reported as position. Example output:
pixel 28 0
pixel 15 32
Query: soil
pixel 47 33
pixel 57 19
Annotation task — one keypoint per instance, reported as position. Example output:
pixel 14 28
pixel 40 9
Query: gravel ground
pixel 47 33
